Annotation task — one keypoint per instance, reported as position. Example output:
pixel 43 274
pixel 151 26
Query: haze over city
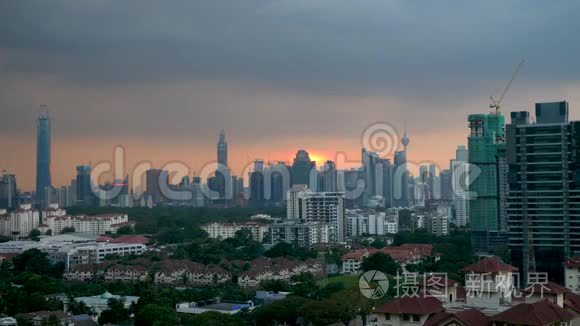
pixel 278 76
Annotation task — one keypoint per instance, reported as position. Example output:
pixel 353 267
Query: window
pixel 406 317
pixel 416 318
pixel 387 316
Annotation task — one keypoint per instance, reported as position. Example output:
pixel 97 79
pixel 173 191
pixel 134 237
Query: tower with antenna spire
pixel 405 140
pixel 222 149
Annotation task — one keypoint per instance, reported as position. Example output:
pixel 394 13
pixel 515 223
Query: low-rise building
pixel 406 311
pixel 97 224
pixel 403 255
pixel 228 230
pixel 538 313
pixel 186 272
pixel 99 303
pixel 214 305
pixel 277 269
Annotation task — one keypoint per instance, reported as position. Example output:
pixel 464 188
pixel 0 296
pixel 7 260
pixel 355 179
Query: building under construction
pixel 488 171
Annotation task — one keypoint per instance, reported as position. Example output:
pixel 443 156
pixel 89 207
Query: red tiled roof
pixel 134 239
pixel 549 288
pixel 469 317
pixel 399 254
pixel 424 249
pixel 473 317
pixel 411 305
pixel 105 239
pixel 573 262
pixel 537 313
pixel 489 265
pixel 7 256
pixel 572 301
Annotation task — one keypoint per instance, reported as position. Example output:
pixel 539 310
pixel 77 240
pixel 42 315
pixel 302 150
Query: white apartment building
pixel 228 230
pixel 392 224
pixel 53 210
pixel 572 274
pixel 439 225
pixel 94 253
pixel 307 206
pixel 5 223
pixel 97 225
pixel 302 234
pixel 23 220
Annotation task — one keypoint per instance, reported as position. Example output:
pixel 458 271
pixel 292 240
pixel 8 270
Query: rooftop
pixel 489 265
pixel 412 305
pixel 537 313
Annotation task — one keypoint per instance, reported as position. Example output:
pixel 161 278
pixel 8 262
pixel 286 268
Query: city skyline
pixel 274 87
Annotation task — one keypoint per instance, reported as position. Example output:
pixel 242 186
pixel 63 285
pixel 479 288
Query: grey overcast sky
pixel 163 77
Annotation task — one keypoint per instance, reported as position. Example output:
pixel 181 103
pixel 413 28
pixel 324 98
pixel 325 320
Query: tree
pixel 68 229
pixel 378 243
pixel 275 285
pixel 48 232
pixel 79 307
pixel 321 313
pixel 32 260
pixel 34 234
pixel 154 314
pixel 381 262
pixel 125 230
pixel 284 311
pixel 116 313
pixel 213 318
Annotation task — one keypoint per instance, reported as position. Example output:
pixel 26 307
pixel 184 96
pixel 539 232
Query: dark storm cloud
pixel 193 67
pixel 390 47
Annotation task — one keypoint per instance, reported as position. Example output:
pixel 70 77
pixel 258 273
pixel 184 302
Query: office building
pixel 544 188
pixel 485 143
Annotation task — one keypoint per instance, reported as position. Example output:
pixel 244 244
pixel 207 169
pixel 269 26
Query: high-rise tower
pixel 222 149
pixel 43 179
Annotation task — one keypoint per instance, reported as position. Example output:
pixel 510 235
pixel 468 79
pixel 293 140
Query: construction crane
pixel 495 104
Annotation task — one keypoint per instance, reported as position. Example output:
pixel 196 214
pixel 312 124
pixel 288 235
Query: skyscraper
pixel 458 175
pixel 155 179
pixel 84 191
pixel 8 191
pixel 370 161
pixel 256 178
pixel 329 177
pixel 301 168
pixel 222 149
pixel 401 175
pixel 485 147
pixel 43 179
pixel 544 189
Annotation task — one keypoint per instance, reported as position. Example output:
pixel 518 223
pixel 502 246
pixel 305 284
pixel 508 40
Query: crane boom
pixel 495 104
